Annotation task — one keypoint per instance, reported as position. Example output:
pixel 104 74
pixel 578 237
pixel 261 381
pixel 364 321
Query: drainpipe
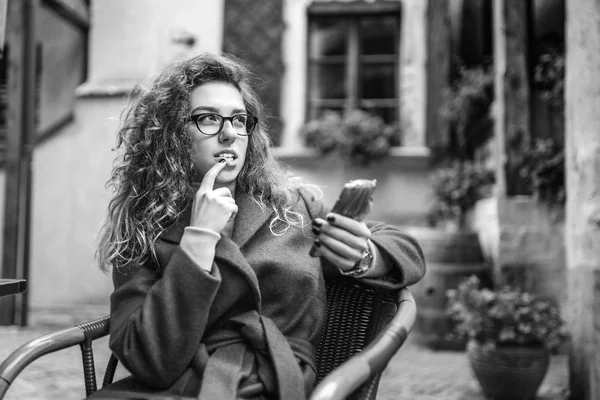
pixel 29 135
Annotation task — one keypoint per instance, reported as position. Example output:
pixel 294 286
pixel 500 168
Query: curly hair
pixel 152 179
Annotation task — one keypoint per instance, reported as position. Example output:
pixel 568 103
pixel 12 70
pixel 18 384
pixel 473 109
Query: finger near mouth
pixel 228 160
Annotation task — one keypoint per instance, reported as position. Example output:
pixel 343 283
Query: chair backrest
pixel 356 314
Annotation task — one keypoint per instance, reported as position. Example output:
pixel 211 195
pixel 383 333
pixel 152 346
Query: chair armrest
pixel 80 334
pixel 348 377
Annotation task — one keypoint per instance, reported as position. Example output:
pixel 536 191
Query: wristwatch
pixel 362 266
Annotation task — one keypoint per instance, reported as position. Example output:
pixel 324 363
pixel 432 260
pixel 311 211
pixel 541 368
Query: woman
pixel 216 295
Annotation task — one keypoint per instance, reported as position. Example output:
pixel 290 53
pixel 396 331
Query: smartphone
pixel 353 200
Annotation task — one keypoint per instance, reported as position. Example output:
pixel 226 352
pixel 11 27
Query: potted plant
pixel 456 188
pixel 510 334
pixel 356 136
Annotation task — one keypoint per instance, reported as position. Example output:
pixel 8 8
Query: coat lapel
pixel 249 219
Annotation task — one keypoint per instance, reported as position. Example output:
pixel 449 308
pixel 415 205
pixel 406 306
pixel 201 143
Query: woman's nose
pixel 228 133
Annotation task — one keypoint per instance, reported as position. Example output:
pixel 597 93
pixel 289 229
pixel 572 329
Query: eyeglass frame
pixel 194 118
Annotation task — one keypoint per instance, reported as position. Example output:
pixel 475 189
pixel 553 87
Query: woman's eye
pixel 208 119
pixel 240 120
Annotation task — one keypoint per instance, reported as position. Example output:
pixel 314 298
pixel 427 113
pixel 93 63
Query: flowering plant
pixel 456 188
pixel 357 136
pixel 505 316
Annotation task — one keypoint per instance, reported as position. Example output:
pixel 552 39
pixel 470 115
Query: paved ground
pixel 415 373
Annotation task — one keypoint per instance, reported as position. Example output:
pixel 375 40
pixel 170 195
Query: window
pixel 353 63
pixel 62 30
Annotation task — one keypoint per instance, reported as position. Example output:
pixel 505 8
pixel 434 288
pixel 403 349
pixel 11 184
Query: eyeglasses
pixel 211 124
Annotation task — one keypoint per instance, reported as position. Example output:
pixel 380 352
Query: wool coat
pixel 250 326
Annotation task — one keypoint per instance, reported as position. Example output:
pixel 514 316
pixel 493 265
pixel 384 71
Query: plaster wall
pixel 69 202
pixel 402 194
pixel 137 38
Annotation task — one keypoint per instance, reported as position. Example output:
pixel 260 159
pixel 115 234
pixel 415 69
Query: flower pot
pixel 509 372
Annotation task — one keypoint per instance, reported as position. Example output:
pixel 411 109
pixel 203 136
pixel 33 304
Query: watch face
pixel 367 257
pixel 362 266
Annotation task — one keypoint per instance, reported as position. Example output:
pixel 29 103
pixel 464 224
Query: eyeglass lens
pixel 212 124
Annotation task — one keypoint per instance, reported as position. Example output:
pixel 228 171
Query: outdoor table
pixel 12 286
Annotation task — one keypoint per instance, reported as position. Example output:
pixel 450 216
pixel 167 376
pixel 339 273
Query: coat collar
pixel 249 218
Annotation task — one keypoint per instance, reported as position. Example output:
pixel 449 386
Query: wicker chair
pixel 370 321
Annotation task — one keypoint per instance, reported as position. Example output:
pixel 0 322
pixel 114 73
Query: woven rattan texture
pixel 355 315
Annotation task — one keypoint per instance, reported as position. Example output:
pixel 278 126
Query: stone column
pixel 413 72
pixel 583 195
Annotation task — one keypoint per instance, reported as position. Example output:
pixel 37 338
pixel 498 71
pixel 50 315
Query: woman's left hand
pixel 340 240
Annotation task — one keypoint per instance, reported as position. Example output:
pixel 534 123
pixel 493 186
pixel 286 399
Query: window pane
pixel 377 81
pixel 378 34
pixel 63 66
pixel 328 37
pixel 327 81
pixel 387 113
pixel 319 111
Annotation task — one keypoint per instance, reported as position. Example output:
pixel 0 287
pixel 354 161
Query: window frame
pixel 353 13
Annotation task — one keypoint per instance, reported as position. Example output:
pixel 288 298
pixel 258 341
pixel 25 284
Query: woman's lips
pixel 229 158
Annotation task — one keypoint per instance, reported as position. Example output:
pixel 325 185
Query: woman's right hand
pixel 212 208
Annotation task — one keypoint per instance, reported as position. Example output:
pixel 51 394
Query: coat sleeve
pixel 157 321
pixel 400 250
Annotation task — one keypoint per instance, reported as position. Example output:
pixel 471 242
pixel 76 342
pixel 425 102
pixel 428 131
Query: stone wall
pixel 524 239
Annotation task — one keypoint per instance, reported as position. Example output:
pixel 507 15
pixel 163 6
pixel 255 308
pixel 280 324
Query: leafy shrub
pixel 456 189
pixel 356 136
pixel 504 316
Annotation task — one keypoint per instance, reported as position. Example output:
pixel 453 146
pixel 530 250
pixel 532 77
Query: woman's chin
pixel 226 178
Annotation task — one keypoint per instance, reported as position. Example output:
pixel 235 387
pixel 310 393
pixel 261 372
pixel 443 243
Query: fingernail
pixel 330 218
pixel 316 231
pixel 222 160
pixel 317 243
pixel 317 223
